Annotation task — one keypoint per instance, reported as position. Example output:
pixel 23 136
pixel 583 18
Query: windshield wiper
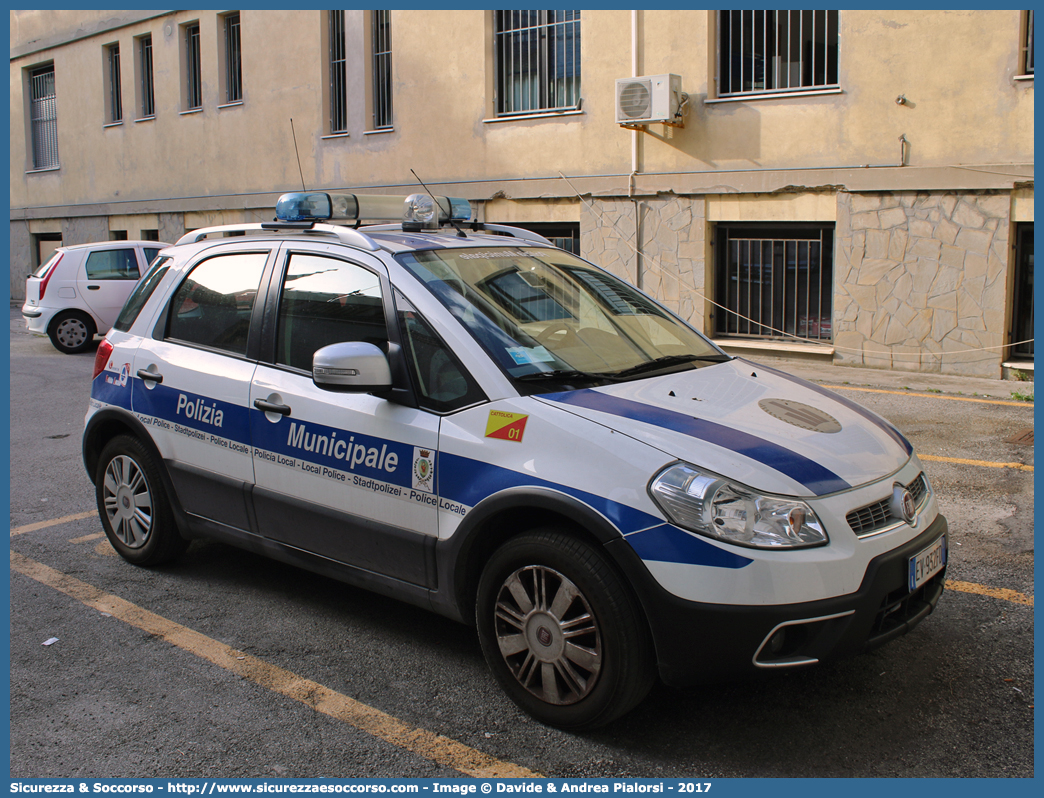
pixel 667 361
pixel 566 374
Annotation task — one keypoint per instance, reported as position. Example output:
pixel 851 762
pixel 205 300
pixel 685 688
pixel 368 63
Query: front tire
pixel 133 505
pixel 72 332
pixel 562 632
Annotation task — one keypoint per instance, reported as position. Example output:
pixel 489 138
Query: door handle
pixel 152 376
pixel 93 287
pixel 271 407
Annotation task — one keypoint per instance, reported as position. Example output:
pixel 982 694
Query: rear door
pixel 105 281
pixel 192 382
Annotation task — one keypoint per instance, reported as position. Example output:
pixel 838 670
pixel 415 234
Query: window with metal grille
pixel 1022 310
pixel 382 95
pixel 233 60
pixel 148 96
pixel 1027 45
pixel 776 51
pixel 43 112
pixel 193 69
pixel 537 61
pixel 774 282
pixel 338 75
pixel 115 89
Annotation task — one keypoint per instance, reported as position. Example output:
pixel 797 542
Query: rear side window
pixel 213 306
pixel 142 291
pixel 112 264
pixel 327 301
pixel 151 253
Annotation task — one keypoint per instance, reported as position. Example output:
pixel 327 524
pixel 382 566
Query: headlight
pixel 709 505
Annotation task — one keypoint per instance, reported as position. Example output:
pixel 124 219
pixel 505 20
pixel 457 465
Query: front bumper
pixel 697 642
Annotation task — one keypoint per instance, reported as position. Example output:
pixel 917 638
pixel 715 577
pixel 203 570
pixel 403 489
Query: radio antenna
pixel 460 232
pixel 297 152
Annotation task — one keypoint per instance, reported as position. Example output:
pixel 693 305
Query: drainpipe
pixel 634 156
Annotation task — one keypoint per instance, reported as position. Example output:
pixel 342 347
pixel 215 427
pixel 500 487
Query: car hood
pixel 766 429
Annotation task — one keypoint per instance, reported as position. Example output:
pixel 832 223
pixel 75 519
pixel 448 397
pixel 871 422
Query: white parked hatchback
pixel 80 290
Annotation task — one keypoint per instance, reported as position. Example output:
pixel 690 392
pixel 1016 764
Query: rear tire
pixel 562 632
pixel 133 505
pixel 72 332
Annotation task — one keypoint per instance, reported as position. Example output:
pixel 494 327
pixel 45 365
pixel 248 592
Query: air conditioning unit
pixel 649 99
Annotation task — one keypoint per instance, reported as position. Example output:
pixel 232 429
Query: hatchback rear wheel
pixel 71 332
pixel 133 505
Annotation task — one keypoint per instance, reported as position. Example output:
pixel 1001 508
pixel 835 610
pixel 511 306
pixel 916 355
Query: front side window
pixel 114 88
pixel 327 301
pixel 43 112
pixel 547 317
pixel 213 306
pixel 113 264
pixel 770 51
pixel 537 61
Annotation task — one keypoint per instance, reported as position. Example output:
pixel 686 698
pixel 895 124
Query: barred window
pixel 43 112
pixel 537 61
pixel 1027 44
pixel 769 51
pixel 338 75
pixel 775 281
pixel 193 69
pixel 114 88
pixel 147 99
pixel 382 94
pixel 233 59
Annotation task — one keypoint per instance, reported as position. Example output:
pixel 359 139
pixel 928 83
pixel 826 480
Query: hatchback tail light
pixel 101 357
pixel 46 277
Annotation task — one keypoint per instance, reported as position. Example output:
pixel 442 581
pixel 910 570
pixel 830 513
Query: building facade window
pixel 147 96
pixel 774 281
pixel 338 74
pixel 1022 304
pixel 1027 43
pixel 382 69
pixel 537 61
pixel 233 62
pixel 193 69
pixel 43 114
pixel 776 51
pixel 114 89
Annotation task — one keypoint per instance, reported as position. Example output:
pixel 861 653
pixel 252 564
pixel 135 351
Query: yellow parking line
pixel 984 463
pixel 931 396
pixel 993 592
pixel 21 530
pixel 434 747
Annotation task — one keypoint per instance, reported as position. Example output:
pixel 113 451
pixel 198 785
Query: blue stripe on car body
pixel 820 480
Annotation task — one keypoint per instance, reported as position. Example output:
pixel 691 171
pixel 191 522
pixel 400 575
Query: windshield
pixel 545 315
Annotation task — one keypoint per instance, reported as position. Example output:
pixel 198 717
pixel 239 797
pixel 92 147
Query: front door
pixel 348 476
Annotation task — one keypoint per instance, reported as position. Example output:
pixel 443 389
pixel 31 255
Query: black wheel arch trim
pixel 519 508
pixel 94 443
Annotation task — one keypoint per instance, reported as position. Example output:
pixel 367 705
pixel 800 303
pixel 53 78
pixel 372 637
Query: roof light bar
pixel 416 212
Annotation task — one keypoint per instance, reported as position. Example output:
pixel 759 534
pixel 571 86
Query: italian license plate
pixel 928 563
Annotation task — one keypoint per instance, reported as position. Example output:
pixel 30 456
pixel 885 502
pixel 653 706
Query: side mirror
pixel 353 366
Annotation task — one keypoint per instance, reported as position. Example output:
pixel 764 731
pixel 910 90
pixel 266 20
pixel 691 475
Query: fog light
pixel 775 643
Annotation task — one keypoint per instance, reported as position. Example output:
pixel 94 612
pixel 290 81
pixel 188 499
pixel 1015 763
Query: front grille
pixel 874 517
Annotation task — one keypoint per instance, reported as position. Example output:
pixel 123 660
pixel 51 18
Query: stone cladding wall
pixel 921 281
pixel 671 232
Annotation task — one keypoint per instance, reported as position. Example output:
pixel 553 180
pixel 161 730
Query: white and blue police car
pixel 467 418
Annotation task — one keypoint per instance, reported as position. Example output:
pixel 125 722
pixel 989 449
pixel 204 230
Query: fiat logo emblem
pixel 544 636
pixel 903 505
